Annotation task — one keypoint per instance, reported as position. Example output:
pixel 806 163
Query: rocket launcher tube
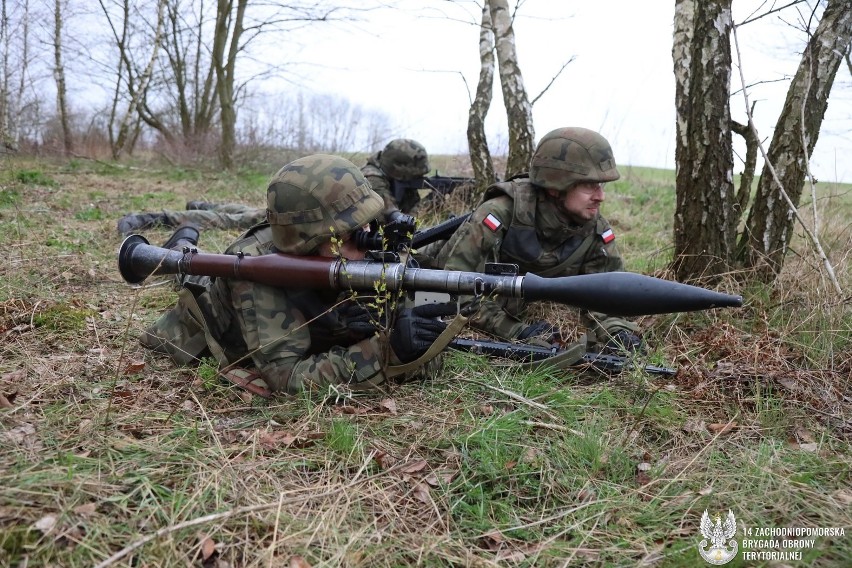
pixel 614 293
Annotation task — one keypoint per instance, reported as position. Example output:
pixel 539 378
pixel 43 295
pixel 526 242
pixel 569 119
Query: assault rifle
pixel 437 183
pixel 615 293
pixel 531 353
pixel 397 236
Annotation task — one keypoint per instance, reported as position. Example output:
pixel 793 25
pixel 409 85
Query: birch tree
pixel 765 241
pixel 705 222
pixel 480 157
pixel 518 107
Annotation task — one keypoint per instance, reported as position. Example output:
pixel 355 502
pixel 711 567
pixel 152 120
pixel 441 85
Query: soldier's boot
pixel 140 221
pixel 185 235
pixel 199 205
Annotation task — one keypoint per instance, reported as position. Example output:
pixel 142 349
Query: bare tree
pixel 59 75
pixel 705 221
pixel 480 157
pixel 770 221
pixel 518 108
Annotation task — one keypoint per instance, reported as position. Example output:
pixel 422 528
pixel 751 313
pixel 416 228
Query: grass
pixel 112 456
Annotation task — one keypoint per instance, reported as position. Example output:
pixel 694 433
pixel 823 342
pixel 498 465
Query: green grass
pixel 102 443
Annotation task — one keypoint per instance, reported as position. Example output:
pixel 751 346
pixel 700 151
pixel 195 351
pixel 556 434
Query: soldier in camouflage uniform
pixel 271 339
pixel 199 213
pixel 548 223
pixel 401 159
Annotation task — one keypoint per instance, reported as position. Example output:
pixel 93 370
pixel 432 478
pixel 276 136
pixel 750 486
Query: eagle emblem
pixel 720 550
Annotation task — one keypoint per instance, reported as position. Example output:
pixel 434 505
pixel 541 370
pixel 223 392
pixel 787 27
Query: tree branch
pixel 813 238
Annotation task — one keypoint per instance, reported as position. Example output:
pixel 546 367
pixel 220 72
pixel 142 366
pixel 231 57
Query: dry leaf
pixel 5 403
pixel 14 376
pixel 86 509
pixel 809 447
pixel 486 409
pixel 388 404
pixel 46 523
pixel 414 466
pixel 208 547
pixel 299 562
pixel 384 460
pixel 643 466
pixel 706 491
pixel 134 367
pixel 694 425
pixel 722 428
pixel 421 491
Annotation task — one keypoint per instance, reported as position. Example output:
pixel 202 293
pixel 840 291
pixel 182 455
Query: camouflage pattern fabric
pixel 381 184
pixel 566 156
pixel 218 216
pixel 296 339
pixel 404 159
pixel 488 237
pixel 316 198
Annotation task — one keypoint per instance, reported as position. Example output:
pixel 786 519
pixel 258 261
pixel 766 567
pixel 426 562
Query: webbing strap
pixel 440 343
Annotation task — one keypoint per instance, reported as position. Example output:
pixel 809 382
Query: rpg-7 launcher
pixel 437 183
pixel 615 293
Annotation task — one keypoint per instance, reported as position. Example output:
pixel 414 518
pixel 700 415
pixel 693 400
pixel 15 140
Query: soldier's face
pixel 582 202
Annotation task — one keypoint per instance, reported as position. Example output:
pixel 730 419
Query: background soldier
pixel 401 160
pixel 286 340
pixel 548 222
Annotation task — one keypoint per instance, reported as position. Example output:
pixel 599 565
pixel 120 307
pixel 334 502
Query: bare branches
pixel 768 164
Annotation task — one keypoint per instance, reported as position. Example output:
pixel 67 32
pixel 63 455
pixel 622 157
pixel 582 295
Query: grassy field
pixel 111 456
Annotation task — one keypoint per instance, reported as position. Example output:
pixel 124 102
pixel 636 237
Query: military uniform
pixel 294 339
pixel 401 159
pixel 217 216
pixel 517 224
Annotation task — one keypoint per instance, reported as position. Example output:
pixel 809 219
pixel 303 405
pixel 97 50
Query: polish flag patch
pixel 608 236
pixel 494 223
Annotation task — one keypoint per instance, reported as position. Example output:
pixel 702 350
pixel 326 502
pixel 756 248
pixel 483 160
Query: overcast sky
pixel 418 61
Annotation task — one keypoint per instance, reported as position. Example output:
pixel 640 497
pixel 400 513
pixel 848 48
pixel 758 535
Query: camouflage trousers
pixel 223 216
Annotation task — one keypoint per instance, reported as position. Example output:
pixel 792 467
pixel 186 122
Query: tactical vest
pixel 521 244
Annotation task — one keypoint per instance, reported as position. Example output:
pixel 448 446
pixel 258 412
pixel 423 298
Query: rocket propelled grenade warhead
pixel 626 294
pixel 613 293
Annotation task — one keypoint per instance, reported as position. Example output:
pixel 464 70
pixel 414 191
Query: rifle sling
pixel 440 343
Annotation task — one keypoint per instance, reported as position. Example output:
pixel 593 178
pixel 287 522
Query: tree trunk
pixel 518 108
pixel 480 156
pixel 225 64
pixel 764 243
pixel 705 220
pixel 59 76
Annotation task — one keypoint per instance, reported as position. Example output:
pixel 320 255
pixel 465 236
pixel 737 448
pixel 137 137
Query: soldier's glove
pixel 542 330
pixel 363 320
pixel 624 343
pixel 415 331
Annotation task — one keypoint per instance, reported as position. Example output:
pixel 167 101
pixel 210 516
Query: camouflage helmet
pixel 566 156
pixel 314 198
pixel 404 159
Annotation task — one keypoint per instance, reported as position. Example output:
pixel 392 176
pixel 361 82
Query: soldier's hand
pixel 415 331
pixel 625 343
pixel 362 319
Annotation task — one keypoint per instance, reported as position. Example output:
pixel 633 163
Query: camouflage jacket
pixel 295 338
pixel 516 224
pixel 383 185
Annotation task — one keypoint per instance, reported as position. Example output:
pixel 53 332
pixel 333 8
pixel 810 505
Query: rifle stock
pixel 615 293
